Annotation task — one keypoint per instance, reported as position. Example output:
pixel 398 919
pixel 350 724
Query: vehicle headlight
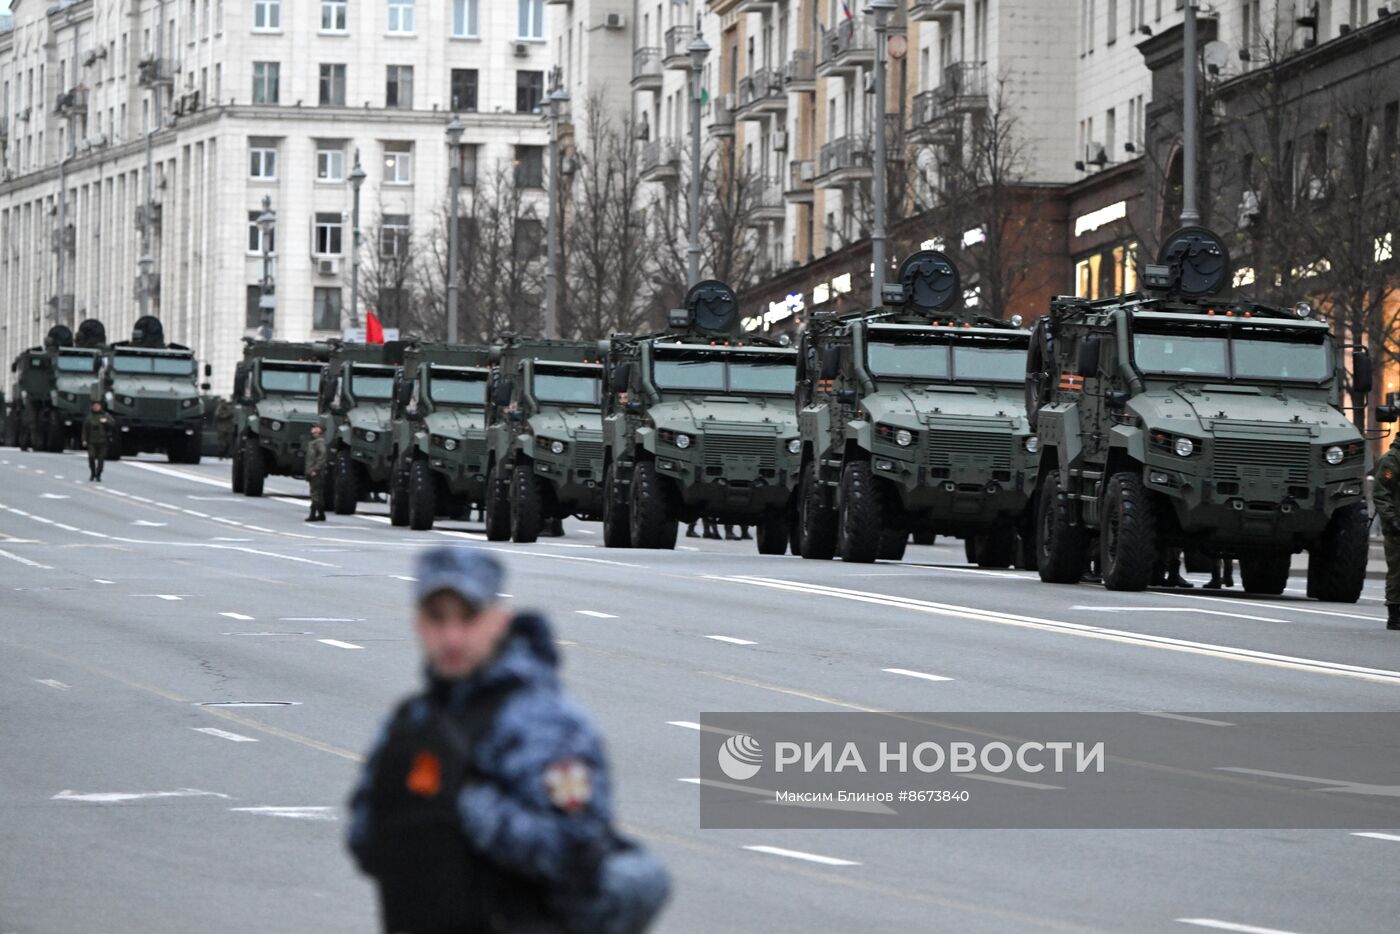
pixel 1031 444
pixel 109 397
pixel 1184 447
pixel 371 436
pixel 903 437
pixel 556 447
pixel 275 425
pixel 449 444
pixel 126 400
pixel 795 446
pixel 682 441
pixel 188 403
pixel 1334 455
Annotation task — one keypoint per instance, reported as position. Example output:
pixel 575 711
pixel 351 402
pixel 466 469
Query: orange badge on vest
pixel 570 785
pixel 425 778
pixel 1388 473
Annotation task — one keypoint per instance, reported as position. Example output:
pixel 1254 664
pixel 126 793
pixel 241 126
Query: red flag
pixel 374 331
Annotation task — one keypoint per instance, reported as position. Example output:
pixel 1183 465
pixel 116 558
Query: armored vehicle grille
pixel 1237 459
pixel 947 449
pixel 719 447
pixel 160 408
pixel 588 451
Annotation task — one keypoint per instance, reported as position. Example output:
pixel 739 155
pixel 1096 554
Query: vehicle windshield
pixel 705 371
pixel 567 388
pixel 941 358
pixel 448 388
pixel 1251 354
pixel 77 363
pixel 371 385
pixel 160 366
pixel 294 379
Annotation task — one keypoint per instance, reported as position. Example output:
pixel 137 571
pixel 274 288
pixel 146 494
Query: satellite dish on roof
pixel 931 282
pixel 1199 261
pixel 713 307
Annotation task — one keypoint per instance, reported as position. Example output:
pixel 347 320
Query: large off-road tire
pixel 771 534
pixel 528 497
pixel 497 506
pixel 925 537
pixel 399 492
pixel 194 448
pixel 995 549
pixel 1266 573
pixel 422 496
pixel 236 468
pixel 893 542
pixel 345 485
pixel 653 522
pixel 617 531
pixel 1127 534
pixel 55 439
pixel 1025 549
pixel 1337 563
pixel 114 448
pixel 816 519
pixel 254 470
pixel 861 523
pixel 1059 543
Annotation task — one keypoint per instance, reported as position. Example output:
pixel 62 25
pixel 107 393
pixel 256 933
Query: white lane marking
pixel 338 644
pixel 404 577
pixel 684 724
pixel 1277 606
pixel 294 813
pixel 472 536
pixel 318 619
pixel 194 478
pixel 196 513
pixel 236 616
pixel 798 854
pixel 54 496
pixel 1231 926
pixel 915 674
pixel 1175 609
pixel 595 614
pixel 1379 836
pixel 692 725
pixel 731 640
pixel 1183 718
pixel 160 596
pixel 110 797
pixel 1340 785
pixel 214 499
pixel 24 561
pixel 99 580
pixel 147 524
pixel 258 528
pixel 303 632
pixel 65 527
pixel 1144 640
pixel 58 476
pixel 42 519
pixel 505 596
pixel 50 682
pixel 586 532
pixel 224 734
pixel 382 520
pixel 223 539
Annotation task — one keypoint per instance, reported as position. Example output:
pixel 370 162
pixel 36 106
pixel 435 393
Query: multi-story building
pixel 242 101
pixel 592 47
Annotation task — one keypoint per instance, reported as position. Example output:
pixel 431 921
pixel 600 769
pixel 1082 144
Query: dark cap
pixel 472 574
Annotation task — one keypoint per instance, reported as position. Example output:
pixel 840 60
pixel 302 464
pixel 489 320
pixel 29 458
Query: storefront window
pixel 1112 271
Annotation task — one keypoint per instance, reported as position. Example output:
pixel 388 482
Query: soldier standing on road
pixel 98 430
pixel 485 805
pixel 315 471
pixel 1386 495
pixel 224 417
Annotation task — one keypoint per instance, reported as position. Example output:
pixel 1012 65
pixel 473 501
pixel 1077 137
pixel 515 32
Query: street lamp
pixel 881 10
pixel 357 178
pixel 698 50
pixel 1190 213
pixel 556 101
pixel 267 303
pixel 454 182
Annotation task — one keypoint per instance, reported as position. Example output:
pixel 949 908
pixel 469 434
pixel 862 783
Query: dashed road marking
pixel 101 580
pixel 595 614
pixel 1176 609
pixel 1231 926
pixel 798 854
pixel 24 561
pixel 684 724
pixel 732 640
pixel 236 616
pixel 224 734
pixel 114 797
pixel 338 644
pixel 916 674
pixel 1393 838
pixel 293 813
pixel 1184 718
pixel 160 596
pixel 51 683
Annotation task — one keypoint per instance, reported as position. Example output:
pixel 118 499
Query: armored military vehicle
pixel 1173 417
pixel 698 422
pixel 439 433
pixel 52 383
pixel 545 436
pixel 275 388
pixel 355 401
pixel 152 387
pixel 913 420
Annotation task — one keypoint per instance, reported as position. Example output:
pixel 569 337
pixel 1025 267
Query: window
pixel 267 15
pixel 333 15
pixel 326 235
pixel 466 20
pixel 464 85
pixel 398 163
pixel 265 75
pixel 252 310
pixel 1113 21
pixel 529 166
pixel 255 235
pixel 529 91
pixel 401 16
pixel 262 161
pixel 330 161
pixel 398 87
pixel 332 86
pixel 394 234
pixel 325 315
pixel 468 157
pixel 531 19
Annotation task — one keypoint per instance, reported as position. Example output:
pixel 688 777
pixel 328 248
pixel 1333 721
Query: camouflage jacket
pixel 1386 492
pixel 315 457
pixel 98 429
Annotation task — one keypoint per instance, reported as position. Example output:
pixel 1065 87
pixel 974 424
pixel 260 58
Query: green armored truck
pixel 275 388
pixel 545 436
pixel 152 389
pixel 1175 418
pixel 439 433
pixel 356 401
pixel 699 422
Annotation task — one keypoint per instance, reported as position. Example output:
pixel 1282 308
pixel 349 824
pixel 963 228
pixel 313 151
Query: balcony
pixel 153 72
pixel 935 11
pixel 801 173
pixel 755 6
pixel 761 96
pixel 800 73
pixel 675 55
pixel 646 69
pixel 964 87
pixel 844 162
pixel 847 48
pixel 72 103
pixel 768 204
pixel 661 160
pixel 722 120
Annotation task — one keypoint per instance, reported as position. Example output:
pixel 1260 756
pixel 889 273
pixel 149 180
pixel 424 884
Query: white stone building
pixel 250 98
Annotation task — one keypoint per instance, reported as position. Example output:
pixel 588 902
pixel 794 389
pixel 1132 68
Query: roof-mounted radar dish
pixel 1199 262
pixel 712 308
pixel 930 281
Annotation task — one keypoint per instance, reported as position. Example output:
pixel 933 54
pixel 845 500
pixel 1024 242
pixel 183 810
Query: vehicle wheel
pixel 236 469
pixel 862 518
pixel 254 470
pixel 345 484
pixel 1025 550
pixel 617 532
pixel 497 507
pixel 1337 563
pixel 422 497
pixel 925 538
pixel 653 523
pixel 772 535
pixel 995 549
pixel 1059 543
pixel 399 492
pixel 526 504
pixel 970 549
pixel 892 544
pixel 1267 573
pixel 54 439
pixel 194 448
pixel 114 448
pixel 1127 534
pixel 816 519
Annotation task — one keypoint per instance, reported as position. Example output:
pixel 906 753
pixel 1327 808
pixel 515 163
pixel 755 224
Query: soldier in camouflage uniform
pixel 315 471
pixel 98 431
pixel 1386 496
pixel 225 423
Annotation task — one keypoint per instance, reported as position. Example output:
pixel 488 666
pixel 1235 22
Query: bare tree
pixel 389 276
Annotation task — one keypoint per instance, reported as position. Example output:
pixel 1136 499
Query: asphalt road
pixel 127 803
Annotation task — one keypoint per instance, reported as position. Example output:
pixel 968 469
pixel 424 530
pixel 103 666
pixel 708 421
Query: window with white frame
pixel 265 81
pixel 398 87
pixel 327 234
pixel 267 15
pixel 330 161
pixel 401 16
pixel 262 160
pixel 531 19
pixel 255 235
pixel 325 308
pixel 334 15
pixel 394 232
pixel 398 163
pixel 466 19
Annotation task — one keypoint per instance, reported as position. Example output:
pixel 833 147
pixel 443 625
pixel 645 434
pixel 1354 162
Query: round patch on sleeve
pixel 569 784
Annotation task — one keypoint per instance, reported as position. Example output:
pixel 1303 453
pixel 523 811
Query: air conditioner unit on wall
pixel 521 49
pixel 328 267
pixel 614 21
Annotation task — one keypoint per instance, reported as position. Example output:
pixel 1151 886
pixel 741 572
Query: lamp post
pixel 881 10
pixel 357 178
pixel 556 102
pixel 1190 213
pixel 454 182
pixel 698 50
pixel 267 303
pixel 147 218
